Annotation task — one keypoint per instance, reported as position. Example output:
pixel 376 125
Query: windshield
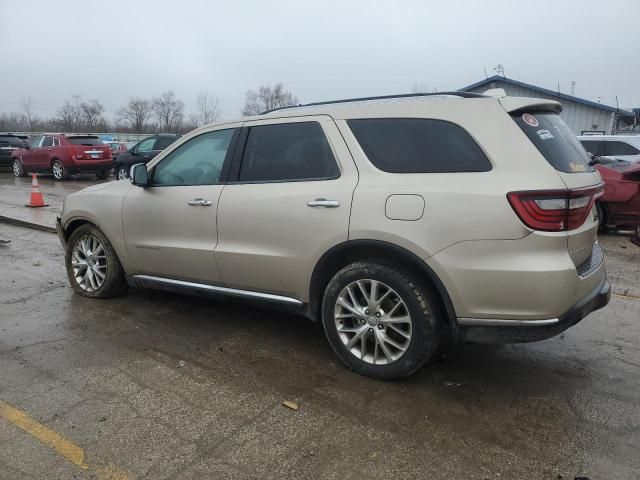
pixel 555 141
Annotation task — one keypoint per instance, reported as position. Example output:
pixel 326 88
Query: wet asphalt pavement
pixel 157 385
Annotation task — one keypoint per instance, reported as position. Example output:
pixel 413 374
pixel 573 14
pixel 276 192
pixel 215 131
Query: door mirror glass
pixel 139 175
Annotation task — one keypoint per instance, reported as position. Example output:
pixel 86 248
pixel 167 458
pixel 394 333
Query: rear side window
pixel 85 140
pixel 418 145
pixel 620 148
pixel 164 142
pixel 286 152
pixel 10 141
pixel 47 142
pixel 555 141
pixel 594 146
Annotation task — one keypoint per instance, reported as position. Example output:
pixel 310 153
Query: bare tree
pixel 92 113
pixel 419 88
pixel 70 115
pixel 267 98
pixel 169 111
pixel 207 105
pixel 27 108
pixel 136 113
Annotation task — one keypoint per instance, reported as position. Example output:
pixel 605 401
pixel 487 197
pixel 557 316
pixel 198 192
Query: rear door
pixel 287 202
pixel 560 147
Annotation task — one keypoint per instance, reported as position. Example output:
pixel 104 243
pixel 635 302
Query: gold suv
pixel 390 220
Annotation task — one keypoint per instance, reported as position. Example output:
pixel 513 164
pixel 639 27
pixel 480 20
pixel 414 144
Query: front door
pixel 286 205
pixel 170 227
pixel 30 157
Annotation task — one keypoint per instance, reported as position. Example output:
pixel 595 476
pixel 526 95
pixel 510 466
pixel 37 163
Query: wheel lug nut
pixel 366 312
pixel 371 330
pixel 378 315
pixel 380 326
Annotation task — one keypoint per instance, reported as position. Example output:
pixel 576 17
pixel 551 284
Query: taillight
pixel 554 210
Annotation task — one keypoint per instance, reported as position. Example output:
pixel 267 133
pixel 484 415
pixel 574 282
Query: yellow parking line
pixel 50 438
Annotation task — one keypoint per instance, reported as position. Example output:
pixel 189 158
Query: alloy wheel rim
pixel 373 322
pixel 89 263
pixel 16 168
pixel 122 174
pixel 57 170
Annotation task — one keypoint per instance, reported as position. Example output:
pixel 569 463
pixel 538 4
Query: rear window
pixel 418 145
pixel 85 140
pixel 555 141
pixel 164 142
pixel 620 148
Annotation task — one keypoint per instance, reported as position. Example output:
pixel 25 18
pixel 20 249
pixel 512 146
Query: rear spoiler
pixel 516 104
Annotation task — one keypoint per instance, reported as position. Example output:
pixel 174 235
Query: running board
pixel 148 281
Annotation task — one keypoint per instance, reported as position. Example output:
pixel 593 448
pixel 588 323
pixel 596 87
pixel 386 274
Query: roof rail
pixel 383 97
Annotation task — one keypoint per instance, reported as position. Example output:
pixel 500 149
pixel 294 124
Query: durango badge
pixel 530 120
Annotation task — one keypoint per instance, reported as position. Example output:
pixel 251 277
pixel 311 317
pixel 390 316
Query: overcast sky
pixel 112 50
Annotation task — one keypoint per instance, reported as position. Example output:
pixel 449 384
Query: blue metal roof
pixel 564 96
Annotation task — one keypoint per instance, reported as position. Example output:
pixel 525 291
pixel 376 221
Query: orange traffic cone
pixel 36 199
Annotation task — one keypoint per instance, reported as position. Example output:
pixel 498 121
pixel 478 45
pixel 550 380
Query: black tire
pixel 115 284
pixel 121 172
pixel 102 174
pixel 602 216
pixel 59 171
pixel 18 168
pixel 421 304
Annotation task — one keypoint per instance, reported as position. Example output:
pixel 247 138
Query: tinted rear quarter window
pixel 555 141
pixel 290 151
pixel 418 145
pixel 620 148
pixel 593 146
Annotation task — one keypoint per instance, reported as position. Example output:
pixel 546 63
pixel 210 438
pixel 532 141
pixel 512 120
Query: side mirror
pixel 134 151
pixel 139 175
pixel 27 146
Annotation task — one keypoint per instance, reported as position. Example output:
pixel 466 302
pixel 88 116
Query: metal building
pixel 582 116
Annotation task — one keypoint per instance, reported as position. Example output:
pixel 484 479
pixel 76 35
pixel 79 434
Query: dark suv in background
pixel 8 143
pixel 142 152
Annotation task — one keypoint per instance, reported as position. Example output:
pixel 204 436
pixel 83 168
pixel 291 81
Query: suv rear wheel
pixel 92 265
pixel 381 320
pixel 58 170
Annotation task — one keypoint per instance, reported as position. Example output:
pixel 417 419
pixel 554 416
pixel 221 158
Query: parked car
pixel 63 156
pixel 116 148
pixel 142 152
pixel 390 221
pixel 621 147
pixel 8 144
pixel 620 204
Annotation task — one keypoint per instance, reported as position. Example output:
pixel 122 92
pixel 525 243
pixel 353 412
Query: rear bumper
pixel 518 331
pixel 90 165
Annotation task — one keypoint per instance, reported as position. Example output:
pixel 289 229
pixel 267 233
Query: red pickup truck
pixel 63 155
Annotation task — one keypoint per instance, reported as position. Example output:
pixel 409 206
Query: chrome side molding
pixel 495 322
pixel 183 286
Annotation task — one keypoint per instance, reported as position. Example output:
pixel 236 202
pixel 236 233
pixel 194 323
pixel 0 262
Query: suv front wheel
pixel 92 265
pixel 381 320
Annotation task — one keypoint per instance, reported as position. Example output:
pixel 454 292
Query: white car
pixel 617 147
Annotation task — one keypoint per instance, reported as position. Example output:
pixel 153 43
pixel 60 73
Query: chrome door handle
pixel 200 202
pixel 323 202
